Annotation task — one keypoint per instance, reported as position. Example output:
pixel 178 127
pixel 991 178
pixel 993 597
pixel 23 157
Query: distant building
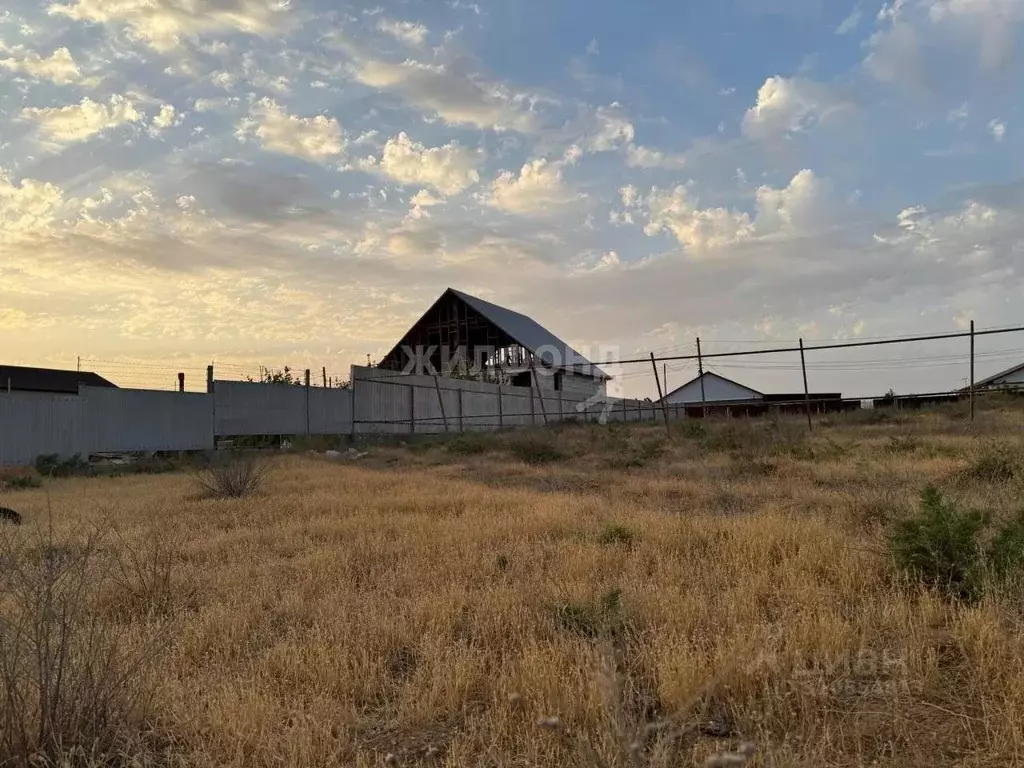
pixel 713 392
pixel 16 378
pixel 462 335
pixel 711 388
pixel 1011 378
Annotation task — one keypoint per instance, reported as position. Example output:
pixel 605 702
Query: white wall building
pixel 716 389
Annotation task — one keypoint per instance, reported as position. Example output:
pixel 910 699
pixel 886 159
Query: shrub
pixel 72 682
pixel 940 547
pixel 614 533
pixel 51 465
pixel 19 481
pixel 692 428
pixel 902 444
pixel 535 449
pixel 591 618
pixel 1005 553
pixel 997 465
pixel 469 444
pixel 232 478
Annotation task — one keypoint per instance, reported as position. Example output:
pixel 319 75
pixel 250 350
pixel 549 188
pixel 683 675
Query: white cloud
pixel 449 169
pixel 647 157
pixel 805 205
pixel 851 22
pixel 458 97
pixel 914 35
pixel 612 130
pixel 163 24
pixel 78 122
pixel 697 230
pixel 59 67
pixel 164 119
pixel 420 202
pixel 310 138
pixel 28 208
pixel 998 129
pixel 788 105
pixel 539 187
pixel 405 31
pixel 592 48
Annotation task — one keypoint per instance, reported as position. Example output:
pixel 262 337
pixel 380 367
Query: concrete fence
pixel 103 420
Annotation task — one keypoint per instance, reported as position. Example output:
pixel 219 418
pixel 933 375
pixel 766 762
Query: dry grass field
pixel 432 604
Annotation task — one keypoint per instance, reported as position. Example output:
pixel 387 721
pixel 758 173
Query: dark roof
pixel 48 380
pixel 531 335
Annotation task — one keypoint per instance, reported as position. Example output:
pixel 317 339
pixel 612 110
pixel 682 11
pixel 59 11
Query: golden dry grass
pixel 434 605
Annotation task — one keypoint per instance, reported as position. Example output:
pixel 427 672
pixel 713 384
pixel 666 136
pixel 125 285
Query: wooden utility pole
pixel 181 382
pixel 325 376
pixel 661 396
pixel 807 392
pixel 307 401
pixel 700 373
pixel 536 385
pixel 972 370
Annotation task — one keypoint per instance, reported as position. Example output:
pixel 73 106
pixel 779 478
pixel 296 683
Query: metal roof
pixel 717 376
pixel 995 377
pixel 531 335
pixel 25 379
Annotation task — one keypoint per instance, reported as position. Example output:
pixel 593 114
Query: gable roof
pixel 25 379
pixel 995 377
pixel 717 376
pixel 531 335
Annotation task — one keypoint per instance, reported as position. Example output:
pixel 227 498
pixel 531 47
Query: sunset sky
pixel 293 182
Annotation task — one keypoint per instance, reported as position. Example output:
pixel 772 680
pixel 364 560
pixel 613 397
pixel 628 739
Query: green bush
pixel 534 449
pixel 940 547
pixel 1005 553
pixel 51 465
pixel 997 465
pixel 693 429
pixel 591 618
pixel 20 481
pixel 469 444
pixel 614 533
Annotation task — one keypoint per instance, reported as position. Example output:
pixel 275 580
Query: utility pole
pixel 807 393
pixel 700 372
pixel 972 370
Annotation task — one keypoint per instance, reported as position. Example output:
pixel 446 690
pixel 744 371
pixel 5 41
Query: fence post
pixel 462 424
pixel 324 370
pixel 700 373
pixel 661 397
pixel 561 406
pixel 181 382
pixel 625 415
pixel 307 402
pixel 972 370
pixel 501 414
pixel 213 405
pixel 440 401
pixel 807 392
pixel 536 385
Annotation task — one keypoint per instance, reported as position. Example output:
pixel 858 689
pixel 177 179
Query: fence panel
pixel 128 420
pixel 244 408
pixel 330 411
pixel 32 424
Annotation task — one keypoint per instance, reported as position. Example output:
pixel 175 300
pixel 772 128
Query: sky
pixel 270 182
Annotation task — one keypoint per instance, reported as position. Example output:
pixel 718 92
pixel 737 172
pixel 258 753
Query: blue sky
pixel 270 182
